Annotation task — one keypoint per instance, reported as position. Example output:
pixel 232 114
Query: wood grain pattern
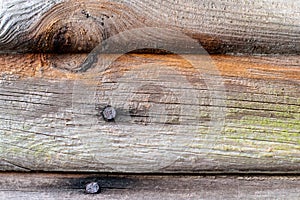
pixel 221 26
pixel 166 109
pixel 71 186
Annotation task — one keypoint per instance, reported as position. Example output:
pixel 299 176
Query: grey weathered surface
pixel 187 113
pixel 171 116
pixel 121 187
pixel 222 26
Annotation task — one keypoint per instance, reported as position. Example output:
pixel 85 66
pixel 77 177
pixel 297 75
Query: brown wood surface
pixel 232 114
pixel 121 187
pixel 182 112
pixel 221 26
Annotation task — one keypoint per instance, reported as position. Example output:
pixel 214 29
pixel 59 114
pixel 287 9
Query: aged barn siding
pixel 175 113
pixel 50 117
pixel 71 186
pixel 269 26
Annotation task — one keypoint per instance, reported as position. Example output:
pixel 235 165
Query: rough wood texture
pixel 233 114
pixel 71 186
pixel 222 26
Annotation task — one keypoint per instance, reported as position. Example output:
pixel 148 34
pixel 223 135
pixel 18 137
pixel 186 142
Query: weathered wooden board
pixel 71 186
pixel 227 114
pixel 222 26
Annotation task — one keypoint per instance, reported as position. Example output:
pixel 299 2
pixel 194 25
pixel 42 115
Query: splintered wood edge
pixel 50 186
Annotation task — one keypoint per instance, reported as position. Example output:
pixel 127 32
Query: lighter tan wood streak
pixel 60 66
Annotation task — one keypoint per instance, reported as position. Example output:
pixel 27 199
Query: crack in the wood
pixel 15 165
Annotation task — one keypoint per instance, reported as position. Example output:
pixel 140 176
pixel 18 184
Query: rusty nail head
pixel 109 113
pixel 92 188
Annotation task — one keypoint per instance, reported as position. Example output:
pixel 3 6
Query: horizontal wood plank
pixel 72 186
pixel 229 114
pixel 221 26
